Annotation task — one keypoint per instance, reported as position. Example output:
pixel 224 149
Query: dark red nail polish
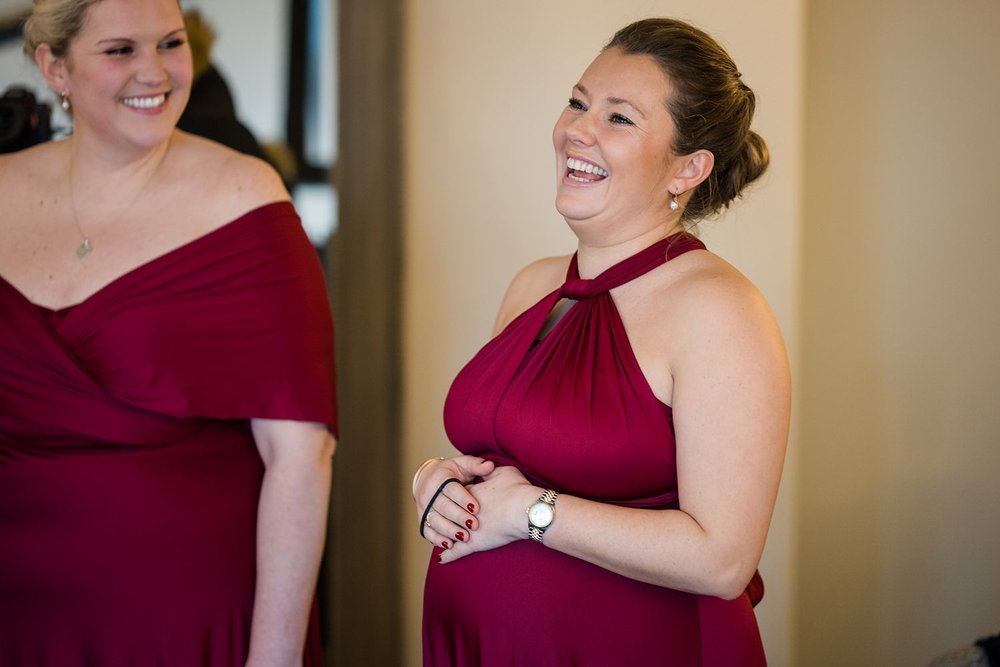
pixel 468 524
pixel 472 508
pixel 460 537
pixel 445 544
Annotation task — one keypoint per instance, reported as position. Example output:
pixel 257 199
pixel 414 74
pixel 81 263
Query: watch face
pixel 541 514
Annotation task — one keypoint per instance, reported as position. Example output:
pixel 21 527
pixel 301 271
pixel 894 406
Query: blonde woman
pixel 167 408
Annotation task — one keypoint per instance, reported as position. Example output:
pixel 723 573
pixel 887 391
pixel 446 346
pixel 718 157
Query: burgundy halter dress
pixel 573 412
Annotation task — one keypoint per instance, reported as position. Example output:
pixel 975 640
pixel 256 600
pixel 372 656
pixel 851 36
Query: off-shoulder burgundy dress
pixel 129 478
pixel 574 413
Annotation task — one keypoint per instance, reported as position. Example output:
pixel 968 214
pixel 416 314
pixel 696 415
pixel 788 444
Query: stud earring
pixel 64 102
pixel 673 202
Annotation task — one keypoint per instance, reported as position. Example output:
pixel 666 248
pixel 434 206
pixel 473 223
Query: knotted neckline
pixel 628 269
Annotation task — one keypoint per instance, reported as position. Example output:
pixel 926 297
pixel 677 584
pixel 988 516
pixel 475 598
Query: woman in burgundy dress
pixel 623 433
pixel 167 406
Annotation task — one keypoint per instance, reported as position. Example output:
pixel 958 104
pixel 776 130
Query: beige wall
pixel 484 82
pixel 899 498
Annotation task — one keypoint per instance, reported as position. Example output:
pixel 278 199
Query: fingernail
pixel 445 544
pixel 439 560
pixel 472 508
pixel 460 537
pixel 468 524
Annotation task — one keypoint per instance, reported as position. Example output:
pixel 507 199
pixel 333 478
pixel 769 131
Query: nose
pixel 151 69
pixel 580 128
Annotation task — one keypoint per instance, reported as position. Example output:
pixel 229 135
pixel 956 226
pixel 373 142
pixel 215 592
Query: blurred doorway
pixel 321 80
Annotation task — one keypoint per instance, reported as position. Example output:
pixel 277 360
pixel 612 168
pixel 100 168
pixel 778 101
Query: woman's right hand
pixel 453 515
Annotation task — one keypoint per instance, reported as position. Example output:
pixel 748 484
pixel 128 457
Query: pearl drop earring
pixel 64 102
pixel 673 202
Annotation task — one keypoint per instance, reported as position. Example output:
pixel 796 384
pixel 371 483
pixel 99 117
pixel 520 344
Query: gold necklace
pixel 86 246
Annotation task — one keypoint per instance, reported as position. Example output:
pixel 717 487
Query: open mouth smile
pixel 150 102
pixel 584 172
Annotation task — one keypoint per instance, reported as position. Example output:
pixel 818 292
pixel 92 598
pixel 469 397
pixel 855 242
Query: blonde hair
pixel 56 23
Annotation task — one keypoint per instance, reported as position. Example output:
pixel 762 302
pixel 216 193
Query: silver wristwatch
pixel 541 514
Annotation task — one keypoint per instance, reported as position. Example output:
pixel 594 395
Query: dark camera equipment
pixel 24 121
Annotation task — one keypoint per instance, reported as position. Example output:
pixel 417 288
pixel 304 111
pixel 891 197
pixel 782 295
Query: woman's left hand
pixel 503 496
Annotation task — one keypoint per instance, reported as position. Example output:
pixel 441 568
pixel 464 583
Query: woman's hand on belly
pixel 453 516
pixel 503 496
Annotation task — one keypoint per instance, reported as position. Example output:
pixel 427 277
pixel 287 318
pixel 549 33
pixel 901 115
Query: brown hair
pixel 711 107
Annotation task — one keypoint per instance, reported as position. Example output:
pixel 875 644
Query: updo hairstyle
pixel 56 23
pixel 710 106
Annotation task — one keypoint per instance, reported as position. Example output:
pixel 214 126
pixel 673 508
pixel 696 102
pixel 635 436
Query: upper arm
pixel 530 284
pixel 731 406
pixel 286 439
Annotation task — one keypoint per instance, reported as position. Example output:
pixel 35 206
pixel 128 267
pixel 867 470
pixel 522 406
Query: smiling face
pixel 613 141
pixel 127 72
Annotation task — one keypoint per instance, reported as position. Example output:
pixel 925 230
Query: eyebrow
pixel 612 100
pixel 170 34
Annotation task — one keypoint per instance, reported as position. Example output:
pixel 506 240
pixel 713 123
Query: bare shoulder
pixel 229 183
pixel 705 279
pixel 698 318
pixel 529 285
pixel 44 161
pixel 29 180
pixel 715 310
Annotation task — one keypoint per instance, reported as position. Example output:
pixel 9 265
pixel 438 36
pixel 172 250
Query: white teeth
pixel 145 102
pixel 585 167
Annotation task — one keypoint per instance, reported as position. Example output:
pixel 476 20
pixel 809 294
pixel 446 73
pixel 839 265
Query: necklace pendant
pixel 84 249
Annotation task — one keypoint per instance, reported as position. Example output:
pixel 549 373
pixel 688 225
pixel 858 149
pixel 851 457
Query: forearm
pixel 716 556
pixel 663 547
pixel 291 530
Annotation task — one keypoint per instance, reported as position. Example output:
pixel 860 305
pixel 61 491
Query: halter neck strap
pixel 629 268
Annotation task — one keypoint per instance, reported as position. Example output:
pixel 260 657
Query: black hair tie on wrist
pixel 430 505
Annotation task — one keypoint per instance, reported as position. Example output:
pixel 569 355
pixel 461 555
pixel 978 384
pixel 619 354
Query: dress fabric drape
pixel 573 412
pixel 129 477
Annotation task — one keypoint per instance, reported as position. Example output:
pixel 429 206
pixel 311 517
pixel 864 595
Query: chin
pixel 573 210
pixel 152 140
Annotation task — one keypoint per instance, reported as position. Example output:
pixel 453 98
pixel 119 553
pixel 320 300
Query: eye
pixel 619 119
pixel 577 104
pixel 119 51
pixel 173 43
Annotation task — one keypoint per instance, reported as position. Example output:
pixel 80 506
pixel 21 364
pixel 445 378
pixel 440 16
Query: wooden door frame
pixel 362 579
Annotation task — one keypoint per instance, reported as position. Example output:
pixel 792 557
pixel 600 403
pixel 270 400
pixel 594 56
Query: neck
pixel 594 255
pixel 113 170
pixel 104 187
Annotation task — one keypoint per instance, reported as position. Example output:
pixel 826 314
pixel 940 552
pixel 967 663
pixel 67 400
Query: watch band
pixel 536 532
pixel 549 497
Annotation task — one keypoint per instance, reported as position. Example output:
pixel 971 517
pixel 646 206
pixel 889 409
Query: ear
pixel 53 68
pixel 695 168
